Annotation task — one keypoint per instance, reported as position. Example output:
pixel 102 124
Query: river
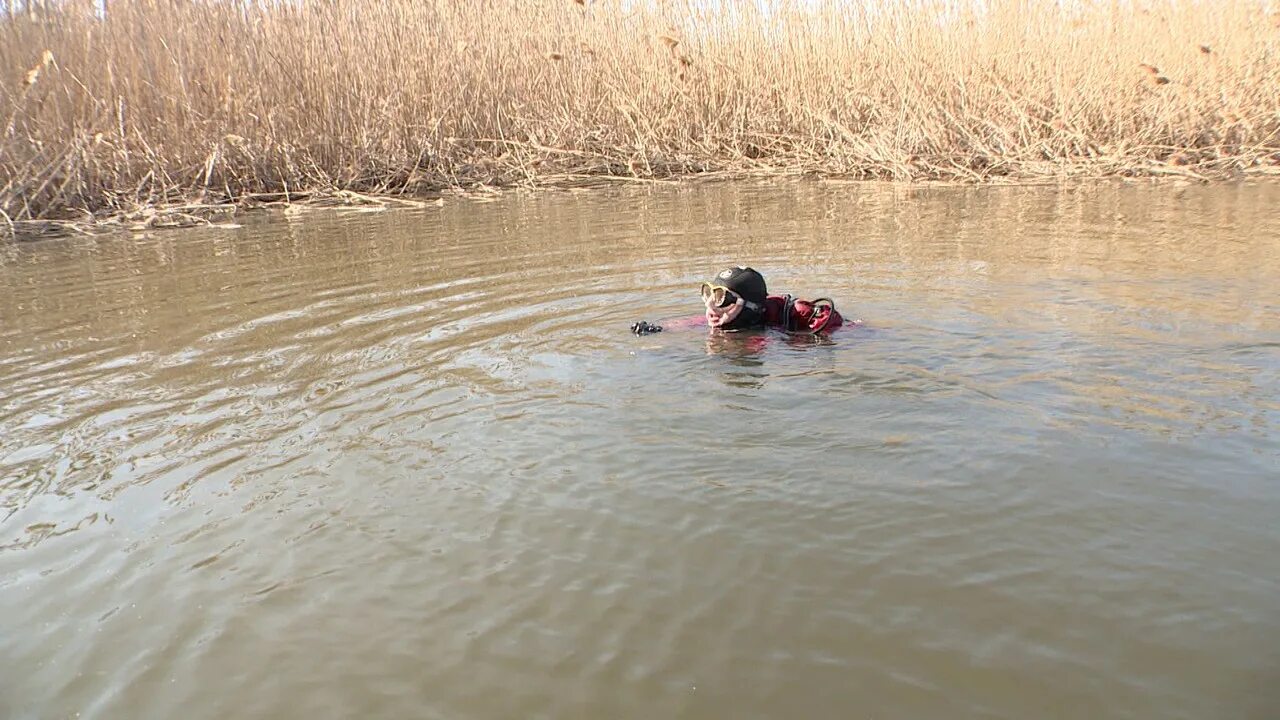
pixel 413 463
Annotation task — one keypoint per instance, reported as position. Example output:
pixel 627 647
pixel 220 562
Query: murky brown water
pixel 413 465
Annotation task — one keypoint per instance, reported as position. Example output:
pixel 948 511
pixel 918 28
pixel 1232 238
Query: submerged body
pixel 694 322
pixel 793 314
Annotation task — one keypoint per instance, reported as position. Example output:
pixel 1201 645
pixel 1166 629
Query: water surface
pixel 412 464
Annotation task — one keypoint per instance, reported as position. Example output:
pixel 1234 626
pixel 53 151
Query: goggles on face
pixel 718 295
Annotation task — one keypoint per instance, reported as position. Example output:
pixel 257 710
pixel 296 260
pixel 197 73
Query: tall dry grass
pixel 175 101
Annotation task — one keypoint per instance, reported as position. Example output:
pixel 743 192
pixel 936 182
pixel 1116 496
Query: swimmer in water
pixel 738 299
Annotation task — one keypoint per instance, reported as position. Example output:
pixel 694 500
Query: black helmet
pixel 745 282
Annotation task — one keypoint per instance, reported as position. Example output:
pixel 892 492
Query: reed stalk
pixel 112 108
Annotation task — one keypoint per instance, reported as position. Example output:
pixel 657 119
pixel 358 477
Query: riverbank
pixel 183 111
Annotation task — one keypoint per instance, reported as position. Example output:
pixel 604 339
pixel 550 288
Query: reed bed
pixel 111 109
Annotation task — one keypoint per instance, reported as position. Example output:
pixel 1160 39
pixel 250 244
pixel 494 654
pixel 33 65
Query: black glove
pixel 644 328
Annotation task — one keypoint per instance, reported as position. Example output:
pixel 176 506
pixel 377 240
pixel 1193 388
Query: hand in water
pixel 645 328
pixel 718 316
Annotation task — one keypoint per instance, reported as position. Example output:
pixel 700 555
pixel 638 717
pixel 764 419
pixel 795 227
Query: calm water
pixel 412 464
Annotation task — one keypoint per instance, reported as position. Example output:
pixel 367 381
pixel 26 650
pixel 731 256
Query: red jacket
pixel 795 315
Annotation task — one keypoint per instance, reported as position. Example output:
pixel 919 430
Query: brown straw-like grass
pixel 203 103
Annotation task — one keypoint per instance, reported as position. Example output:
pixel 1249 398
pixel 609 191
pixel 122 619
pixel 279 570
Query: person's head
pixel 735 298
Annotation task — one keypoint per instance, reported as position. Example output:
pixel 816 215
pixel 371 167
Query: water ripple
pixel 413 464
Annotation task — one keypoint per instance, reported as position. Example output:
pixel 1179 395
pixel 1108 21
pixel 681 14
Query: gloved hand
pixel 644 328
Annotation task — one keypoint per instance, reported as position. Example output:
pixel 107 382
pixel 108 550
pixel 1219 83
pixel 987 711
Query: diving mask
pixel 718 296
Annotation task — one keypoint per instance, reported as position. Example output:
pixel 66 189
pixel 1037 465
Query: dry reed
pixel 201 103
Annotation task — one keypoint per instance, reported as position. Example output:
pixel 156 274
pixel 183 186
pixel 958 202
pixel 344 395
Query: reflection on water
pixel 413 464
